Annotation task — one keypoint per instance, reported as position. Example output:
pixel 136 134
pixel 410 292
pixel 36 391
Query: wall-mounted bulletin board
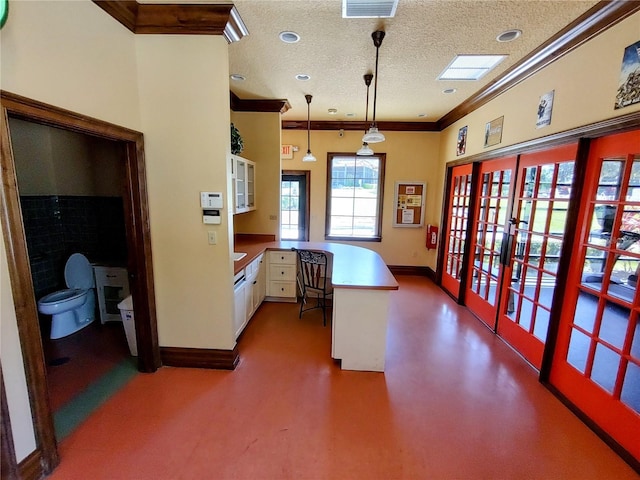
pixel 409 198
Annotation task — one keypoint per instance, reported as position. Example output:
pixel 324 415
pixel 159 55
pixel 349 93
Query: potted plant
pixel 236 141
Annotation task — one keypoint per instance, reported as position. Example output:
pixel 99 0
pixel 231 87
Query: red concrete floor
pixel 74 362
pixel 454 403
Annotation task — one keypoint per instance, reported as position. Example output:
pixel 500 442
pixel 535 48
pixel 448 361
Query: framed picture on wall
pixel 461 145
pixel 629 83
pixel 493 132
pixel 545 107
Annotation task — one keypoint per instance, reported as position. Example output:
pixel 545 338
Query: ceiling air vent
pixel 369 8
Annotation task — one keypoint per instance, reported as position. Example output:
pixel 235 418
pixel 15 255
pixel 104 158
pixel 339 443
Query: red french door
pixel 490 222
pixel 596 362
pixel 455 238
pixel 540 209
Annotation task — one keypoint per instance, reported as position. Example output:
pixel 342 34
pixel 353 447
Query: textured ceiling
pixel 420 42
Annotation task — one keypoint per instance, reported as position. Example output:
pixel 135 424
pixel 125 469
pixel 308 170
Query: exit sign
pixel 287 152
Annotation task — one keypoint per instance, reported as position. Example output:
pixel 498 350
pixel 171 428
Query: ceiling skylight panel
pixel 470 67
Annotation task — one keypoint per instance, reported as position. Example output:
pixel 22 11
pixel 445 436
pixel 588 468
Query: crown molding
pixel 183 19
pixel 258 105
pixel 359 125
pixel 594 21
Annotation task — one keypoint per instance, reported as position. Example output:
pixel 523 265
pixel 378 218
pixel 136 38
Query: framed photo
pixel 545 106
pixel 493 132
pixel 461 145
pixel 629 83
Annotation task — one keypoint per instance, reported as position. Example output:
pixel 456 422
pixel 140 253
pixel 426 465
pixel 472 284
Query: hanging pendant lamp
pixel 309 156
pixel 366 149
pixel 373 135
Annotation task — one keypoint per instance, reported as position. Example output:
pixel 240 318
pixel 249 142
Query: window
pixel 354 197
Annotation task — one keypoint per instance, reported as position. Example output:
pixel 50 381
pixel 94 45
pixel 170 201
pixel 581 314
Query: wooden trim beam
pixel 259 105
pixel 172 18
pixel 200 357
pixel 359 125
pixel 419 271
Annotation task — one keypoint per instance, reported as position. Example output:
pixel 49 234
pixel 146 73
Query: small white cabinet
pixel 281 276
pixel 112 286
pixel 244 175
pixel 248 293
pixel 239 298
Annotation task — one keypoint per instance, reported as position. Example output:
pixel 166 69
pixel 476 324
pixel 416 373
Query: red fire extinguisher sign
pixel 432 236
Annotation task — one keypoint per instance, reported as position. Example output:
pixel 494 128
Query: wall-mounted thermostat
pixel 211 200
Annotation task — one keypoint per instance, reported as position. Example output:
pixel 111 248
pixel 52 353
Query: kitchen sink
pixel 238 256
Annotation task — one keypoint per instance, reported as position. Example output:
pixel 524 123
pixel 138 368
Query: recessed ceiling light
pixel 470 67
pixel 332 111
pixel 349 114
pixel 422 115
pixel 289 37
pixel 237 77
pixel 509 35
pixel 449 90
pixel 303 77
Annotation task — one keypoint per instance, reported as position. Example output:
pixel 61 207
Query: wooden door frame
pixel 139 262
pixel 307 213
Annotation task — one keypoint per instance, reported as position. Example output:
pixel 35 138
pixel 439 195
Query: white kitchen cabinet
pixel 112 286
pixel 281 276
pixel 239 305
pixel 244 176
pixel 255 288
pixel 248 293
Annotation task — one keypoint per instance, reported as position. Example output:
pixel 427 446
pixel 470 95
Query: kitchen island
pixel 361 285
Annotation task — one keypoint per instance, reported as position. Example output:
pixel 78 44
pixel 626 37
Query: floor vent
pixel 369 8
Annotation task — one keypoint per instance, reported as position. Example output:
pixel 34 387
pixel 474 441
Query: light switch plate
pixel 212 237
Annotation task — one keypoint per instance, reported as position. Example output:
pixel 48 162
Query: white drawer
pixel 282 256
pixel 112 276
pixel 282 272
pixel 282 289
pixel 252 268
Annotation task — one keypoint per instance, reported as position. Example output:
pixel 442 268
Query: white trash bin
pixel 128 320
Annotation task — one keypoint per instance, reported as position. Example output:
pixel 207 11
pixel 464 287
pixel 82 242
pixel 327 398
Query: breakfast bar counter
pixel 362 284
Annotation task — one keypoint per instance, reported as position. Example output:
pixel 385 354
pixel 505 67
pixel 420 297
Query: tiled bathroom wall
pixel 57 226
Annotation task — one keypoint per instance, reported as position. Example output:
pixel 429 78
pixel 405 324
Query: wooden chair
pixel 313 281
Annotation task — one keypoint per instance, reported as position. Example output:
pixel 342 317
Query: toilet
pixel 74 308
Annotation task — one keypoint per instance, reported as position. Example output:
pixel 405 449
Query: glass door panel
pixel 456 229
pixel 490 219
pixel 293 207
pixel 541 204
pixel 597 360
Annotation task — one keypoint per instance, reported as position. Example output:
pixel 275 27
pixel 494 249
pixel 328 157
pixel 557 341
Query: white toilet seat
pixel 72 308
pixel 62 296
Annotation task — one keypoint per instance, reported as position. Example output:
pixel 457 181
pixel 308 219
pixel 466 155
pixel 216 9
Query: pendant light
pixel 366 149
pixel 373 135
pixel 309 156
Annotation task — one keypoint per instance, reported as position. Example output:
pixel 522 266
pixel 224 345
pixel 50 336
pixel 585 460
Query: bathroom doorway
pixel 71 188
pixel 138 246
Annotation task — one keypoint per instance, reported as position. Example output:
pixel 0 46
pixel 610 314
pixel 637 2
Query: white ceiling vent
pixel 369 8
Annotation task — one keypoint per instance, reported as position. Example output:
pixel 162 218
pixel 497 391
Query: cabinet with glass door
pixel 244 184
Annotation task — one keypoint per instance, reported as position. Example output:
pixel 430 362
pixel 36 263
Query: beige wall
pixel 71 55
pixel 75 56
pixel 51 161
pixel 261 137
pixel 13 373
pixel 585 83
pixel 184 104
pixel 411 156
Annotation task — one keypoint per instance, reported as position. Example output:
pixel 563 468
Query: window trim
pixel 382 157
